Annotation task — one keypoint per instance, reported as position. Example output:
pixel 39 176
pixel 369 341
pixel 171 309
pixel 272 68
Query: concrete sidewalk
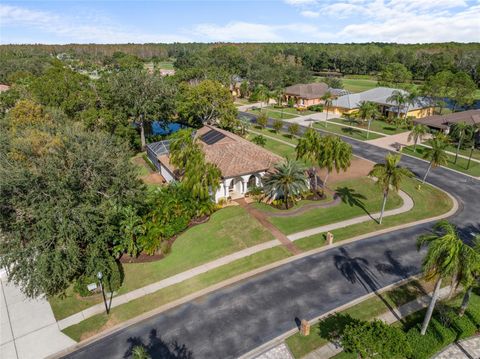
pixel 465 349
pixel 28 328
pixel 180 277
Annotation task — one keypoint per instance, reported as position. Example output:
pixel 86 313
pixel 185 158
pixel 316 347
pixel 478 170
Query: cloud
pixel 300 2
pixel 239 31
pixel 83 29
pixel 310 14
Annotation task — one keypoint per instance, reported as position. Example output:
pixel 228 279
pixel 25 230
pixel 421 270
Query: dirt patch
pixel 359 168
pixel 153 178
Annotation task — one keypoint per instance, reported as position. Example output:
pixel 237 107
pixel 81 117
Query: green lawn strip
pixel 428 202
pixel 149 302
pixel 291 110
pixel 276 147
pixel 346 131
pixel 274 114
pixel 460 166
pixel 279 135
pixel 142 167
pixel 376 125
pixel 267 208
pixel 229 230
pixel 166 65
pixel 368 309
pixel 464 151
pixel 358 85
pixel 361 189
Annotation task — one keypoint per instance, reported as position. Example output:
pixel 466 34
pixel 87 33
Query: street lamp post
pixel 100 276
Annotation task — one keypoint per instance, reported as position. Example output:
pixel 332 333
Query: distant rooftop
pixel 378 95
pixel 307 91
pixel 471 117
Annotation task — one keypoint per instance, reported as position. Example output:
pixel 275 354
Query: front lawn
pixel 229 230
pixel 428 202
pixel 273 114
pixel 346 131
pixel 281 135
pixel 281 149
pixel 361 196
pixel 149 302
pixel 460 166
pixel 376 125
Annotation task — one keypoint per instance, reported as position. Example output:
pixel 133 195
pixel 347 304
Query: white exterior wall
pixel 166 174
pixel 240 186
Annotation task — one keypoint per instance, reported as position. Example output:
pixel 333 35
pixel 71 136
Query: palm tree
pixel 287 182
pixel 418 132
pixel 263 94
pixel 469 274
pixel 327 100
pixel 410 99
pixel 460 131
pixel 182 147
pixel 399 98
pixel 139 352
pixel 435 154
pixel 443 259
pixel 334 154
pixel 308 149
pixel 389 175
pixel 367 112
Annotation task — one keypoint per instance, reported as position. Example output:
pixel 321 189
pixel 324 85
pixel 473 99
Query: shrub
pixel 259 140
pixel 293 129
pixel 316 108
pixel 277 125
pixel 80 285
pixel 262 120
pixel 149 163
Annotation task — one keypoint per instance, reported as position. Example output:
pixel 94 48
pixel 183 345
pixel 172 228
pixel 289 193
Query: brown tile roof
pixel 4 87
pixel 307 91
pixel 443 121
pixel 234 155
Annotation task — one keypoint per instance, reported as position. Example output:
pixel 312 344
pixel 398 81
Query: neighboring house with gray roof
pixel 348 104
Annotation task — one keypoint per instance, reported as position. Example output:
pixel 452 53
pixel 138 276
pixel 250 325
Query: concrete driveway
pixel 28 328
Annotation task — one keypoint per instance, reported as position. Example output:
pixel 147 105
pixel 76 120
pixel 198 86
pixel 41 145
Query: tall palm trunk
pixel 426 173
pixel 453 285
pixel 368 129
pixel 465 301
pixel 431 306
pixel 315 176
pixel 325 180
pixel 415 144
pixel 385 195
pixel 142 135
pixel 326 118
pixel 458 148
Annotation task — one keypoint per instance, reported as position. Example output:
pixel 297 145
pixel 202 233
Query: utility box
pixel 304 328
pixel 329 238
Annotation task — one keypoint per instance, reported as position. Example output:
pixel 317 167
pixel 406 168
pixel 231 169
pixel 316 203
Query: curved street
pixel 236 319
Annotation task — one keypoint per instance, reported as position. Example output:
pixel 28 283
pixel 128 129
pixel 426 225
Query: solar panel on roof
pixel 212 137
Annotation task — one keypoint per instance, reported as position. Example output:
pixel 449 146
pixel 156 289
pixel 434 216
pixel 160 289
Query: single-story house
pixel 4 88
pixel 241 162
pixel 305 95
pixel 349 104
pixel 443 122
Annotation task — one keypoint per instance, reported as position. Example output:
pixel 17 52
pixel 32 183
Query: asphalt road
pixel 234 320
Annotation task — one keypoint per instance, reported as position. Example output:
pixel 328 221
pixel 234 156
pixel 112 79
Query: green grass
pixel 428 202
pixel 346 131
pixel 464 151
pixel 361 189
pixel 267 208
pixel 229 230
pixel 142 169
pixel 376 125
pixel 291 110
pixel 358 85
pixel 166 65
pixel 460 166
pixel 149 302
pixel 276 147
pixel 279 135
pixel 273 114
pixel 370 308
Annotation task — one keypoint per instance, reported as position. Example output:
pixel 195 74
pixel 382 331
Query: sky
pixel 108 21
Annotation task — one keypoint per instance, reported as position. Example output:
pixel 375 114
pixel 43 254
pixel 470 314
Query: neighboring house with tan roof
pixel 444 122
pixel 306 94
pixel 4 88
pixel 241 162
